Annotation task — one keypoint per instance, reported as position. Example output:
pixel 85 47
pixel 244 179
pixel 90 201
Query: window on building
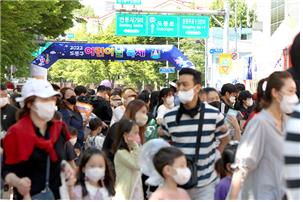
pixel 277 14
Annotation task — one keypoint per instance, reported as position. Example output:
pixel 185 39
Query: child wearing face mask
pixel 95 139
pixel 95 180
pixel 170 163
pixel 126 150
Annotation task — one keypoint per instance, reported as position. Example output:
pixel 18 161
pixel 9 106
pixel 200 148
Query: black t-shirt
pixel 102 109
pixel 69 151
pixel 8 116
pixel 35 167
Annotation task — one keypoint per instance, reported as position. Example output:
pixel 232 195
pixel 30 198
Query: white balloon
pixel 147 153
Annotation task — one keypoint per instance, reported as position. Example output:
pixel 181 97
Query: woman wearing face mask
pixel 70 115
pixel 126 150
pixel 166 103
pixel 35 141
pixel 245 104
pixel 259 158
pixel 95 180
pixel 136 110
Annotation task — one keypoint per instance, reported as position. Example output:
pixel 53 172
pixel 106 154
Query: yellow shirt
pixel 128 175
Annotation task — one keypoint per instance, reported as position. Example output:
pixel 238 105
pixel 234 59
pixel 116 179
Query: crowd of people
pixel 80 143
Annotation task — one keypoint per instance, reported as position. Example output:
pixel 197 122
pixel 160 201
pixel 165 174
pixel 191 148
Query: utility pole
pixel 236 26
pixel 226 27
pixel 167 80
pixel 206 70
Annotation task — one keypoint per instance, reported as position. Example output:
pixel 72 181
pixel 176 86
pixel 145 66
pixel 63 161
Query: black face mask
pixel 216 104
pixel 72 100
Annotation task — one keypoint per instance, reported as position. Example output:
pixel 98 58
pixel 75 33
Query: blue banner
pixel 249 69
pixel 89 51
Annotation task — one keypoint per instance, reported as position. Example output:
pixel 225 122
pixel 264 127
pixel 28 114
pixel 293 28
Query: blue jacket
pixel 74 119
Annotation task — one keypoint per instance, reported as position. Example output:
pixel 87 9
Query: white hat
pixel 36 87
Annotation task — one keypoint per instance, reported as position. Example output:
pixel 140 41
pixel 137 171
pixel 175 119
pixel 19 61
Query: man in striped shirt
pixel 292 155
pixel 292 139
pixel 180 126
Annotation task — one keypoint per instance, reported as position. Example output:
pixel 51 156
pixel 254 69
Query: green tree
pixel 22 22
pixel 241 8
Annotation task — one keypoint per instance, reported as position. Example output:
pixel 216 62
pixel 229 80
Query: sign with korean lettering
pixel 130 2
pixel 167 70
pixel 194 26
pixel 111 52
pixel 130 25
pixel 162 25
pixel 216 50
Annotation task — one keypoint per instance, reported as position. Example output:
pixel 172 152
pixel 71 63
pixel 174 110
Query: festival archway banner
pixel 111 52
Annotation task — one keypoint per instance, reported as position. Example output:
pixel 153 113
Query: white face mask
pixel 141 118
pixel 186 96
pixel 232 99
pixel 44 110
pixel 95 174
pixel 250 102
pixel 288 102
pixel 4 101
pixel 182 176
pixel 170 100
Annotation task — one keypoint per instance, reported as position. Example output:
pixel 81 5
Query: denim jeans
pixel 203 193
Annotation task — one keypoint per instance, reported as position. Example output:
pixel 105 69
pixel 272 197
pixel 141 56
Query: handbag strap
pixel 46 188
pixel 199 136
pixel 47 173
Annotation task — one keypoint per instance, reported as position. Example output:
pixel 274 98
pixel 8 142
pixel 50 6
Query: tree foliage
pixel 23 21
pixel 235 5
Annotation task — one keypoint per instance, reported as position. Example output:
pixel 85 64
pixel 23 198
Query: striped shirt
pixel 184 136
pixel 292 155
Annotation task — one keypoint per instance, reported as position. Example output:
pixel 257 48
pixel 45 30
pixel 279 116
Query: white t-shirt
pixel 117 114
pixel 95 141
pixel 162 110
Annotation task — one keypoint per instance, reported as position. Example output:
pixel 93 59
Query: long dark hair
pixel 153 100
pixel 109 180
pixel 163 93
pixel 124 126
pixel 62 104
pixel 260 95
pixel 130 113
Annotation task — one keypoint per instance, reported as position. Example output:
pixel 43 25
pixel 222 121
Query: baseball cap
pixel 106 83
pixel 36 87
